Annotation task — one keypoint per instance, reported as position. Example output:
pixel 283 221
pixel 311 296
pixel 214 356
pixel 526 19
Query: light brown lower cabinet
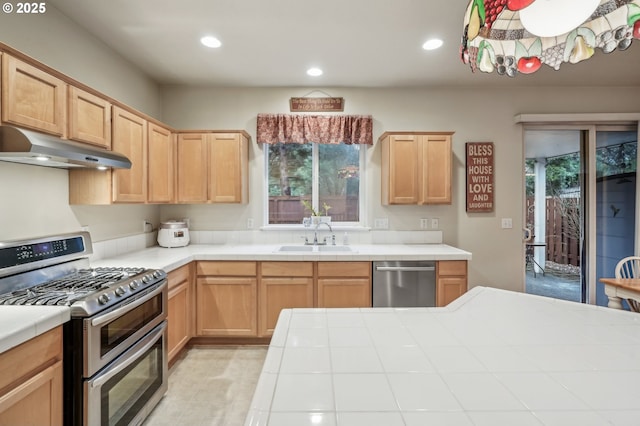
pixel 31 382
pixel 451 281
pixel 283 285
pixel 180 312
pixel 226 299
pixel 344 284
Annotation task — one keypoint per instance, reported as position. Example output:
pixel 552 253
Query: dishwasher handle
pixel 405 268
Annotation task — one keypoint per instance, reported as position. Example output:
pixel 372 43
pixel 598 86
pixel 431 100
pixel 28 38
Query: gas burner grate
pixel 66 290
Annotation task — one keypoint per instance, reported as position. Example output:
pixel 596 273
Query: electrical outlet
pixel 250 223
pixel 424 223
pixel 381 223
pixel 435 223
pixel 507 223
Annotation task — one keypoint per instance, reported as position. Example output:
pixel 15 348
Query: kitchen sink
pixel 315 249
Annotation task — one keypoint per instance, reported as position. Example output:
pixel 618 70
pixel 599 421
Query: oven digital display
pixel 28 253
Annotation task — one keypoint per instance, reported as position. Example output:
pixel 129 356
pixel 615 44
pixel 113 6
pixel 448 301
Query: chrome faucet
pixel 315 235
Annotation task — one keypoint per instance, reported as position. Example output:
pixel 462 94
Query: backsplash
pixel 124 245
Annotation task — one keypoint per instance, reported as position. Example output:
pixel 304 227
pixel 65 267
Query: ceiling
pixel 271 43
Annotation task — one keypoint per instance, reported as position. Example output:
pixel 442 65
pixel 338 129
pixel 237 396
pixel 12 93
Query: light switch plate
pixel 507 223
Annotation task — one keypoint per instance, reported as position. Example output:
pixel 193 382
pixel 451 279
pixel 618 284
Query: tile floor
pixel 210 386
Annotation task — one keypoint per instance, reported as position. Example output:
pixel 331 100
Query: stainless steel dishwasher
pixel 404 284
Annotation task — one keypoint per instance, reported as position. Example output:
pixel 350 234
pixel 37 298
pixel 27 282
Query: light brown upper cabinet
pixel 213 167
pixel 89 118
pixel 33 98
pixel 161 164
pixel 416 167
pixel 130 139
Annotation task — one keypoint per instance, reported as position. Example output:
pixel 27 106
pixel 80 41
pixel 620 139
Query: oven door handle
pixel 102 319
pixel 147 342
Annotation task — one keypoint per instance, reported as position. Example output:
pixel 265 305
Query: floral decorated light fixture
pixel 518 36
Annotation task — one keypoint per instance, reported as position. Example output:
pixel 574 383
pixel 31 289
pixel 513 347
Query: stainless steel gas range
pixel 115 345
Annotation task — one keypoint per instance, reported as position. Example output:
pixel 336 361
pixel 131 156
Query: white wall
pixel 474 114
pixel 33 200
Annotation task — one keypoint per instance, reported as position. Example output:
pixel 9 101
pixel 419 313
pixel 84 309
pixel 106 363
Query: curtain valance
pixel 327 129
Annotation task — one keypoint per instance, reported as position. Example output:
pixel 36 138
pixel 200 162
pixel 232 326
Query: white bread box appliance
pixel 173 233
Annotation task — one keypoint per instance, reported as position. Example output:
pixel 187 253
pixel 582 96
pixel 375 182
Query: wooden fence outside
pixel 287 209
pixel 562 237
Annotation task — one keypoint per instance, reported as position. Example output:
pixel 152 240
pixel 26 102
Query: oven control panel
pixel 32 252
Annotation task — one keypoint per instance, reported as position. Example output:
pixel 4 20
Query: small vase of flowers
pixel 316 217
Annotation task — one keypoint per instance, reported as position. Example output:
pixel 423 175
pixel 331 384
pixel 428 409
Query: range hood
pixel 28 147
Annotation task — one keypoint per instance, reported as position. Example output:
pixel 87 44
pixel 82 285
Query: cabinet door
pixel 192 168
pixel 226 306
pixel 282 293
pixel 451 281
pixel 37 401
pixel 344 284
pixel 32 98
pixel 344 292
pixel 130 139
pixel 227 168
pixel 161 165
pixel 402 169
pixel 89 118
pixel 435 170
pixel 178 318
pixel 449 289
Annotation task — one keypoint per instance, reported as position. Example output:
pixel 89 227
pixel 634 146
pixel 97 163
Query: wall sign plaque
pixel 480 172
pixel 316 104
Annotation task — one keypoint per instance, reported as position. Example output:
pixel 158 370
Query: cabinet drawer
pixel 287 269
pixel 452 267
pixel 177 276
pixel 239 269
pixel 344 269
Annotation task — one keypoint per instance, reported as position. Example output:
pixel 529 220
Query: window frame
pixel 315 166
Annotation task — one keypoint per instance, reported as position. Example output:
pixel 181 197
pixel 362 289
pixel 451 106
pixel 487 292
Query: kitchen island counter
pixel 492 357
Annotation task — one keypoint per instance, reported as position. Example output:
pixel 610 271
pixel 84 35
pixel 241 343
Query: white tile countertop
pixel 172 258
pixel 21 323
pixel 492 357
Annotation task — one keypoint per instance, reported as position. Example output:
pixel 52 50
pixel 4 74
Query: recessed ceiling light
pixel 314 72
pixel 432 44
pixel 211 41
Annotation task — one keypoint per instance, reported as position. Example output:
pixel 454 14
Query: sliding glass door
pixel 615 192
pixel 580 210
